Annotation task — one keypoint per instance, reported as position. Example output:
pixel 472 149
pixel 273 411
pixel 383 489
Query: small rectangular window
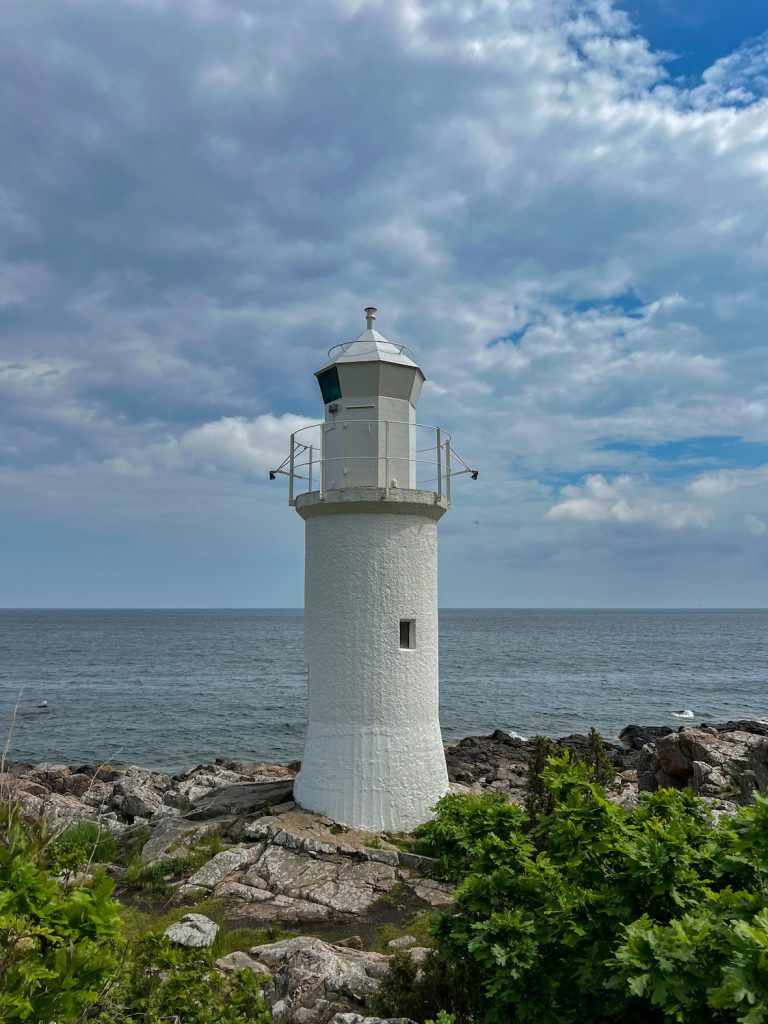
pixel 407 634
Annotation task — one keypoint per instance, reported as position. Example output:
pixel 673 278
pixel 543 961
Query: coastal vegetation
pixel 64 956
pixel 587 911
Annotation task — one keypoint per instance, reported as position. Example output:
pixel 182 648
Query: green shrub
pixel 598 763
pixel 57 944
pixel 463 825
pixel 62 957
pixel 593 913
pixel 538 797
pixel 161 983
pixel 418 992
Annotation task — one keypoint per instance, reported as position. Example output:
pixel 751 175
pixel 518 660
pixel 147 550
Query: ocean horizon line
pixel 442 608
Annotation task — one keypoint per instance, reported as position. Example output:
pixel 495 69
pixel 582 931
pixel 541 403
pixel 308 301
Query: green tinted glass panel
pixel 329 384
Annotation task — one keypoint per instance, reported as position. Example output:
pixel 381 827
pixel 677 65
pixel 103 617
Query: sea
pixel 171 689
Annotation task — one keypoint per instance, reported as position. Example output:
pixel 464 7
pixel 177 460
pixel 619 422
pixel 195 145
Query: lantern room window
pixel 330 385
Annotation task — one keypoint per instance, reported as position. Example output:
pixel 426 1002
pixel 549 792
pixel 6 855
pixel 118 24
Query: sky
pixel 560 205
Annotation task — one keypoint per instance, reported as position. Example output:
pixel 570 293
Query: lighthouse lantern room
pixel 371 484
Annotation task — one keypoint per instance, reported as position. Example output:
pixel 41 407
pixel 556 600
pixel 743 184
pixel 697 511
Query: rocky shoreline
pixel 229 834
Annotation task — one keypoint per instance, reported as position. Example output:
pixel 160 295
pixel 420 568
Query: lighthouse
pixel 371 485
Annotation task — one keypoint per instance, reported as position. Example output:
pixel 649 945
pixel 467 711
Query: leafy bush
pixel 62 957
pixel 538 797
pixel 418 992
pixel 57 944
pixel 593 913
pixel 464 825
pixel 162 983
pixel 598 763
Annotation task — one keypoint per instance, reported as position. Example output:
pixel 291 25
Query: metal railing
pixel 422 451
pixel 364 349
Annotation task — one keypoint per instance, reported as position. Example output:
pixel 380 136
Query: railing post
pixel 439 462
pixel 290 470
pixel 322 460
pixel 448 470
pixel 311 459
pixel 386 458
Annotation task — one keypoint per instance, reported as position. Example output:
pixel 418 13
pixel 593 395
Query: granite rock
pixel 193 930
pixel 314 980
pixel 239 961
pixel 355 1018
pixel 224 864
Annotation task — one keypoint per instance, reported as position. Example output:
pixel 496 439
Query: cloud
pixel 737 79
pixel 198 199
pixel 624 500
pixel 722 482
pixel 231 446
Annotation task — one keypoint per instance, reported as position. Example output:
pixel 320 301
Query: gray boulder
pixel 193 930
pixel 139 793
pixel 672 757
pixel 172 837
pixel 636 736
pixel 712 761
pixel 314 980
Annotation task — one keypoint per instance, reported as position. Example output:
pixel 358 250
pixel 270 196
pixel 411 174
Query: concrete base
pixel 369 779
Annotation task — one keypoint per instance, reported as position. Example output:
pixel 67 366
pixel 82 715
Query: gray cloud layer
pixel 197 198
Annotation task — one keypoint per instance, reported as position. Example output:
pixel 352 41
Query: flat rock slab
pixel 306 825
pixel 239 961
pixel 299 868
pixel 303 830
pixel 240 798
pixel 224 864
pixel 282 885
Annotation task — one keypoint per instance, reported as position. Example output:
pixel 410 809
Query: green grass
pixel 418 927
pixel 160 876
pixel 130 844
pixel 246 938
pixel 396 897
pixel 138 924
pixel 82 842
pixel 402 840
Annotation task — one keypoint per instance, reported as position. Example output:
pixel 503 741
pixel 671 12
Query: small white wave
pixel 683 714
pixel 516 735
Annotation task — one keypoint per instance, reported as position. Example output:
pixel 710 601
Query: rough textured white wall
pixel 373 755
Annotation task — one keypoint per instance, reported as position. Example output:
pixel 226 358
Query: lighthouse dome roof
pixel 370 366
pixel 371 345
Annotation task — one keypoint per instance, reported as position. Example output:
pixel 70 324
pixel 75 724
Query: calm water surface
pixel 170 689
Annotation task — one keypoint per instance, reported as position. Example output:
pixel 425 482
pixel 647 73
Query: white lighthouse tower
pixel 371 484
